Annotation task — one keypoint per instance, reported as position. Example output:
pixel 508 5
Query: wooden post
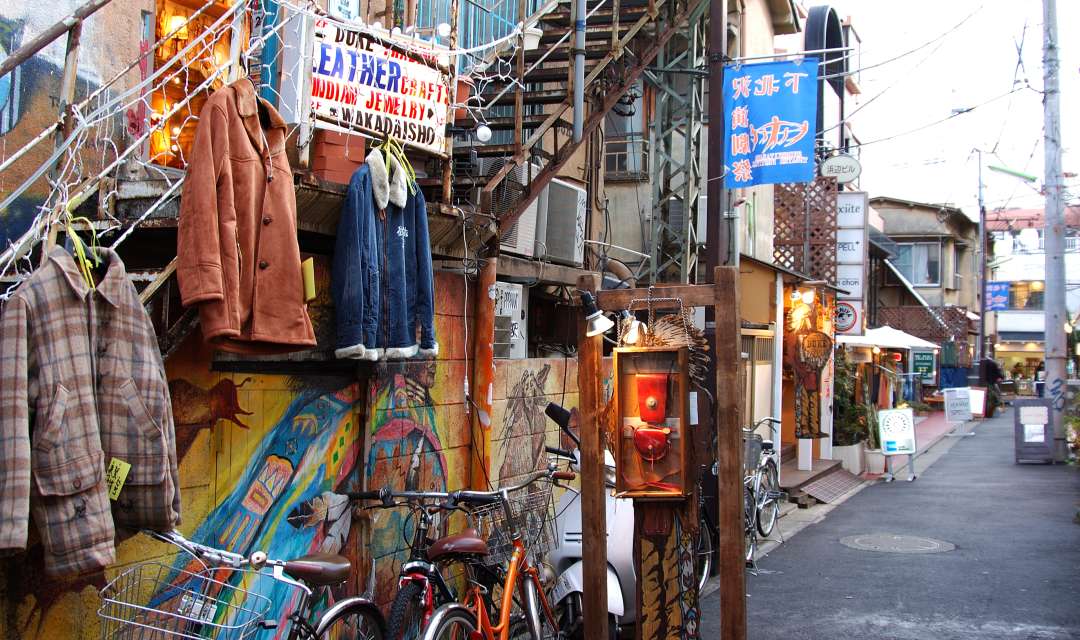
pixel 483 373
pixel 593 503
pixel 448 164
pixel 729 456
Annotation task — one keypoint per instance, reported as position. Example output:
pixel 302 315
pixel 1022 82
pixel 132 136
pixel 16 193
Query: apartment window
pixel 920 262
pixel 958 261
pixel 625 141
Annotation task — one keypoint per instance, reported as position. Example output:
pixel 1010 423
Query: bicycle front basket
pixel 532 515
pixel 154 600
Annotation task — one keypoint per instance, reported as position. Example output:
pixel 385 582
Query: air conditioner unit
pixel 561 223
pixel 520 238
pixel 511 326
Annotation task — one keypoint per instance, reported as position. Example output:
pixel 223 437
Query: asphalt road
pixel 1014 572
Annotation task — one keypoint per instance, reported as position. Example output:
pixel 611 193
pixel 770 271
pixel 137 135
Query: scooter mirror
pixel 561 417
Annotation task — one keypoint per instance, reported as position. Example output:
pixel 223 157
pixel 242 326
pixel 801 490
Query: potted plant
pixel 851 418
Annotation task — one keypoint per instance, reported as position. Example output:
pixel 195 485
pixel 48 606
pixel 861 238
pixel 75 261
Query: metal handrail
pixel 46 37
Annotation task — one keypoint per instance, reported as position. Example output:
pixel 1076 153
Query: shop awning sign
pixel 362 80
pixel 770 117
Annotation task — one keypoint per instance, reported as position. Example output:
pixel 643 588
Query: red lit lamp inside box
pixel 652 442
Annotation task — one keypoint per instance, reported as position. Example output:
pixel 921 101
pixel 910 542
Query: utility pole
pixel 1054 231
pixel 980 281
pixel 719 232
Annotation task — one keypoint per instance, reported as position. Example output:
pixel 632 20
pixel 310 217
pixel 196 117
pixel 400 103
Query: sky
pixel 973 66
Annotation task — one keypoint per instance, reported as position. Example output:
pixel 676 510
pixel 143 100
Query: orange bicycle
pixel 520 528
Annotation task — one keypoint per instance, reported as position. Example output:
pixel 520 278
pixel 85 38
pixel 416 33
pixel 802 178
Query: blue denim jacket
pixel 406 289
pixel 355 277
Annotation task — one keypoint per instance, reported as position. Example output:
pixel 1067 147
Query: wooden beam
pixel 483 374
pixel 162 277
pixel 729 456
pixel 514 269
pixel 593 503
pixel 692 295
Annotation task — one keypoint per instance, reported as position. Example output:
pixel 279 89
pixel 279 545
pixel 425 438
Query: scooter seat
pixel 468 542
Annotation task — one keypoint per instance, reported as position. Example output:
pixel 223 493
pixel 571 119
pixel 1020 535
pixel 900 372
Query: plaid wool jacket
pixel 81 383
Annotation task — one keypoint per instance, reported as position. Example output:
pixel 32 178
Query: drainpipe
pixel 579 68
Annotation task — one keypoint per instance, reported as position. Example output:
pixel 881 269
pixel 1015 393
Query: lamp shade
pixel 596 322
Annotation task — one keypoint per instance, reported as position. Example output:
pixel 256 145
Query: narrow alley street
pixel 1011 568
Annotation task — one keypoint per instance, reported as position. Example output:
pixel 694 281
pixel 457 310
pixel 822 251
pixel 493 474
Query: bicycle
pixel 154 599
pixel 521 529
pixel 421 583
pixel 766 480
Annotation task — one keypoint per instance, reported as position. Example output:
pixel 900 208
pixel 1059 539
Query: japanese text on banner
pixel 770 112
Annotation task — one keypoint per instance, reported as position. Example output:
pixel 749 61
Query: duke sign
pixel 362 80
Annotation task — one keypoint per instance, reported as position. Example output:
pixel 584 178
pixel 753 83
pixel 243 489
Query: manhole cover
pixel 890 543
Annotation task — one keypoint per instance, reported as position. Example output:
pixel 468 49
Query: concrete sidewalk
pixel 1013 570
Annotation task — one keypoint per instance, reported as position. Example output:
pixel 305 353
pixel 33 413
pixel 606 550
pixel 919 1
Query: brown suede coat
pixel 238 256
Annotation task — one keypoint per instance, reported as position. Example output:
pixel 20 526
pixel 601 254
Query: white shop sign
pixel 361 81
pixel 851 209
pixel 849 277
pixel 896 427
pixel 958 404
pixel 850 246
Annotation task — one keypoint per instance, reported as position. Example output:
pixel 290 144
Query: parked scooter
pixel 566 558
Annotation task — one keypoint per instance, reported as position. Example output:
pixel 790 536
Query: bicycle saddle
pixel 468 542
pixel 319 569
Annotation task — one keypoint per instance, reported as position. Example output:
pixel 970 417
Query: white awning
pixel 886 338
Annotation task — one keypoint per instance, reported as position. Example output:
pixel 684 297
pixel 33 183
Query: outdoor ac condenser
pixel 520 238
pixel 561 223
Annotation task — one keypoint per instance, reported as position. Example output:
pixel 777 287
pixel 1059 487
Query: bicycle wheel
pixel 703 552
pixel 768 509
pixel 360 622
pixel 749 526
pixel 457 624
pixel 406 613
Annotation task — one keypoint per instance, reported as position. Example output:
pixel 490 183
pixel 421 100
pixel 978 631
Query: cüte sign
pixel 843 167
pixel 364 80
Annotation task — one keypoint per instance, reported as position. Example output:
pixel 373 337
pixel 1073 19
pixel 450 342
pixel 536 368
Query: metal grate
pixel 831 486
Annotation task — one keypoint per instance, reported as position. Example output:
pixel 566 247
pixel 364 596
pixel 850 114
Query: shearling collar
pixel 247 103
pixel 380 178
pixel 399 192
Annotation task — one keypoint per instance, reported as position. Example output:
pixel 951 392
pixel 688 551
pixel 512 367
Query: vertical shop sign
pixel 997 296
pixel 364 80
pixel 852 209
pixel 770 111
pixel 922 363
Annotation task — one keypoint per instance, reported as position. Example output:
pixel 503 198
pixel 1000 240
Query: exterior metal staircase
pixel 622 38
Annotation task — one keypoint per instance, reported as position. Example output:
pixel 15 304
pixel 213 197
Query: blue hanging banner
pixel 770 112
pixel 997 296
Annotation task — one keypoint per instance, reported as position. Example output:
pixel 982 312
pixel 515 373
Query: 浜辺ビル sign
pixel 770 116
pixel 362 80
pixel 843 167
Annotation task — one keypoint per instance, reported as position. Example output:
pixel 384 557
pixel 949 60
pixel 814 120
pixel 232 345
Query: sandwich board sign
pixel 896 430
pixel 958 404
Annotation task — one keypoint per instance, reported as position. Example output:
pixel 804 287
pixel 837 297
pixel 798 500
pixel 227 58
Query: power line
pixel 937 122
pixel 904 54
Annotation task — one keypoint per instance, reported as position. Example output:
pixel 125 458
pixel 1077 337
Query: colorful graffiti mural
pixel 264 457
